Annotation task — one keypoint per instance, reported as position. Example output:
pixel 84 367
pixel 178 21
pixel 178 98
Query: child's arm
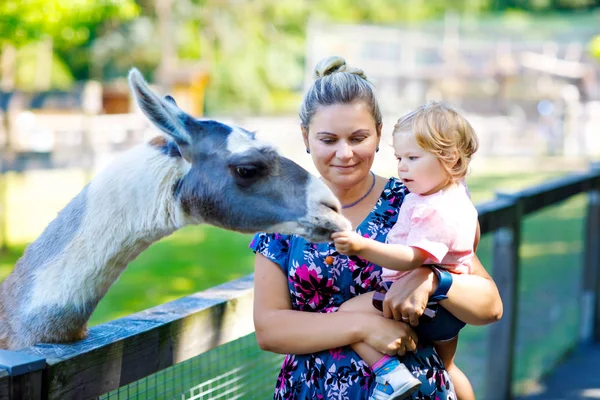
pixel 392 256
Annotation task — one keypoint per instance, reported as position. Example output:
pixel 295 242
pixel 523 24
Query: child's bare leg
pixel 363 303
pixel 447 350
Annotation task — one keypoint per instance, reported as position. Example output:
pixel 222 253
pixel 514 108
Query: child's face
pixel 420 170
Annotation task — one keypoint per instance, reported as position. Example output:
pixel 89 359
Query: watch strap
pixel 445 281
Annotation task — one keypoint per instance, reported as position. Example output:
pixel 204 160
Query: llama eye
pixel 246 171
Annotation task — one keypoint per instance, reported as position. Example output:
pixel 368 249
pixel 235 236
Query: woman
pixel 299 286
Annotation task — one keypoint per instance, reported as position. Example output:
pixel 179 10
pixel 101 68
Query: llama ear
pixel 162 112
pixel 171 99
pixel 176 149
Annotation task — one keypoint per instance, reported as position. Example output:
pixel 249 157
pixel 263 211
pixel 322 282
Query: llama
pixel 200 172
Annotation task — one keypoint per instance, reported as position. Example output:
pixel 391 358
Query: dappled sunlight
pixel 532 250
pixel 590 393
pixel 196 258
pixel 5 270
pixel 8 259
pixel 187 235
pixel 34 199
pixel 572 208
pixel 529 387
pixel 524 73
pixel 182 284
pixel 236 275
pixel 568 213
pixel 484 186
pixel 167 299
pixel 116 315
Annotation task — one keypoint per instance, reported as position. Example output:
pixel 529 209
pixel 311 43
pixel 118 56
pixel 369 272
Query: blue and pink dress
pixel 318 287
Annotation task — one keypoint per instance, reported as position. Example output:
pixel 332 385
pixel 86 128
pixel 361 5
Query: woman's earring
pixel 307 151
pixel 377 149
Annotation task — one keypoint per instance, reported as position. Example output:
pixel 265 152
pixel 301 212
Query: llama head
pixel 235 181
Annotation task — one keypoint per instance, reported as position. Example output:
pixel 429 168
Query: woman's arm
pixel 280 329
pixel 474 298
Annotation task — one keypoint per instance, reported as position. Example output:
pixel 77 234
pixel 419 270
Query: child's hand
pixel 349 243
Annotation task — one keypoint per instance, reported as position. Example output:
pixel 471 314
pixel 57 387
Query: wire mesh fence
pixel 550 276
pixel 550 281
pixel 549 286
pixel 236 370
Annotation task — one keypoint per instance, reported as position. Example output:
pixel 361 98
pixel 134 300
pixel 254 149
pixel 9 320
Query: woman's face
pixel 342 139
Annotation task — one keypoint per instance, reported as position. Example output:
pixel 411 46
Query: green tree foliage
pixel 67 22
pixel 594 47
pixel 29 66
pixel 254 49
pixel 70 25
pixel 392 11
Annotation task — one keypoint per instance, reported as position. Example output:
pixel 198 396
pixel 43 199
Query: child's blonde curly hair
pixel 441 130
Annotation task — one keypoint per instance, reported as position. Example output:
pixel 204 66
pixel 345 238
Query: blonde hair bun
pixel 330 87
pixel 333 64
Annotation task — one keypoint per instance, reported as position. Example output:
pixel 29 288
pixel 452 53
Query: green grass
pixel 548 290
pixel 239 367
pixel 196 258
pixel 192 259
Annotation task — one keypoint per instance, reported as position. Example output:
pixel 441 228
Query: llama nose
pixel 332 206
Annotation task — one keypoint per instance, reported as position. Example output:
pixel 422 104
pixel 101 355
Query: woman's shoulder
pixel 393 193
pixel 277 240
pixel 394 183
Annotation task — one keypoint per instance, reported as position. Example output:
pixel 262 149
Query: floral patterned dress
pixel 318 287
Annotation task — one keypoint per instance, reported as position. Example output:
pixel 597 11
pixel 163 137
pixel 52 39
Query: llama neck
pixel 126 208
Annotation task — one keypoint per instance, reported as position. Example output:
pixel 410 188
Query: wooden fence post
pixel 590 296
pixel 21 376
pixel 4 384
pixel 505 271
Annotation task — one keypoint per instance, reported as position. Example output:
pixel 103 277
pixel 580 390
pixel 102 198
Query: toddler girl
pixel 436 227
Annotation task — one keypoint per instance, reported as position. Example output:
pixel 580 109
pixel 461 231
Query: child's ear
pixel 458 160
pixel 452 155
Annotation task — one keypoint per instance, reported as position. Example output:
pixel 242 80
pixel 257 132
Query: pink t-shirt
pixel 443 224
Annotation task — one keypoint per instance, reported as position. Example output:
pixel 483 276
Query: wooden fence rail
pixel 128 349
pixel 503 217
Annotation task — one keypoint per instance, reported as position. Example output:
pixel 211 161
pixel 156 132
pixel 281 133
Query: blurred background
pixel 525 72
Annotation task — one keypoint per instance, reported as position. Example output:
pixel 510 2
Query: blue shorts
pixel 438 324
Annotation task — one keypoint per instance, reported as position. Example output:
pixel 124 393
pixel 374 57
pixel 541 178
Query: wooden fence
pixel 128 349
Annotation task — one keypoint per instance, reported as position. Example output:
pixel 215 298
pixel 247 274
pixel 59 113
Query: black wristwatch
pixel 445 281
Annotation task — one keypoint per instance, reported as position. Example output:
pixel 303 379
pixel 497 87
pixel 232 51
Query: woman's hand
pixel 474 298
pixel 389 337
pixel 407 298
